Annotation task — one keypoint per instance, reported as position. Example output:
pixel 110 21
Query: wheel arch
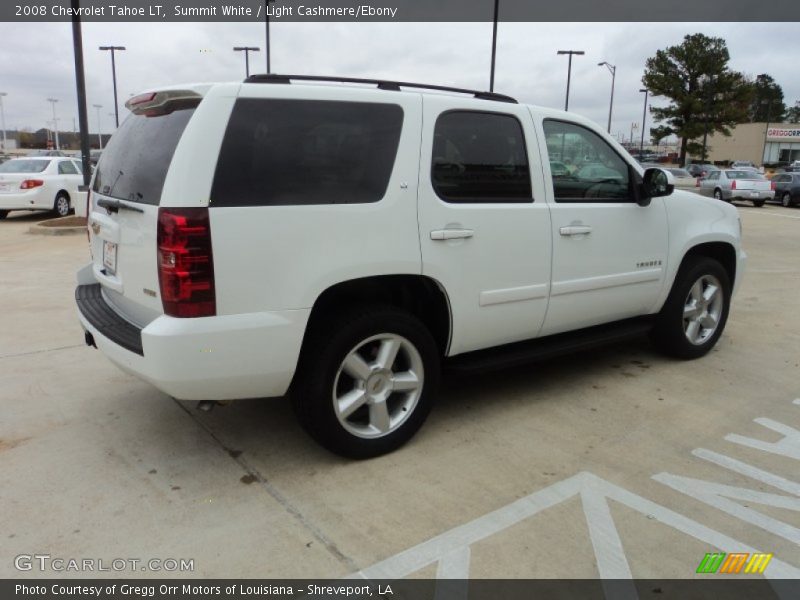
pixel 723 252
pixel 422 296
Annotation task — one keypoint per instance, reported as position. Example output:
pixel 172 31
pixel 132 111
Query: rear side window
pixel 135 162
pixel 480 157
pixel 66 167
pixel 300 152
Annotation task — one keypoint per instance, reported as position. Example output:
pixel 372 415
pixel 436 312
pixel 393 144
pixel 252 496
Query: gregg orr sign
pixel 782 134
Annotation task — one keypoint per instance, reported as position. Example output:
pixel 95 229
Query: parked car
pixel 53 153
pixel 787 188
pixel 39 183
pixel 737 184
pixel 343 243
pixel 682 178
pixel 700 170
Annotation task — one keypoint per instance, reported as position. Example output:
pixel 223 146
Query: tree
pixel 793 114
pixel 767 101
pixel 705 95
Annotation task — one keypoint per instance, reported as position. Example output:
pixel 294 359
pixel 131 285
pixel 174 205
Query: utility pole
pixel 80 83
pixel 114 78
pixel 99 135
pixel 266 24
pixel 569 70
pixel 247 50
pixel 644 121
pixel 3 119
pixel 55 120
pixel 494 44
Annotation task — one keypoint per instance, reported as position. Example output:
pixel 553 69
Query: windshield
pixel 134 165
pixel 22 165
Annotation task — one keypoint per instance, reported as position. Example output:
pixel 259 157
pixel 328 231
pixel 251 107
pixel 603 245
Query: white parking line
pixel 768 214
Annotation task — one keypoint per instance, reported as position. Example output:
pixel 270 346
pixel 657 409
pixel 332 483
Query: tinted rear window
pixel 287 152
pixel 135 162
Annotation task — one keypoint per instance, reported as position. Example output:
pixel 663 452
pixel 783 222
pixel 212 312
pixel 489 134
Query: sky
pixel 36 60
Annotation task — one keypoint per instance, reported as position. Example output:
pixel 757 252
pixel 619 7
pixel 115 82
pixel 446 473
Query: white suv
pixel 345 242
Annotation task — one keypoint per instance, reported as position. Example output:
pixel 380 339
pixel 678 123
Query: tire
pixel 61 205
pixel 758 203
pixel 673 329
pixel 786 200
pixel 3 214
pixel 718 194
pixel 322 377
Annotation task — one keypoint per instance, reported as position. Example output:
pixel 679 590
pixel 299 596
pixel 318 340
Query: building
pixel 748 142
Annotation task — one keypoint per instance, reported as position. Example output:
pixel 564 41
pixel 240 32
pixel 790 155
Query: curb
pixel 42 229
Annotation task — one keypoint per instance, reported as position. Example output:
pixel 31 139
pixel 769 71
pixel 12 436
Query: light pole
pixel 569 70
pixel 613 70
pixel 494 44
pixel 55 120
pixel 3 118
pixel 247 50
pixel 99 135
pixel 266 23
pixel 113 49
pixel 766 129
pixel 644 120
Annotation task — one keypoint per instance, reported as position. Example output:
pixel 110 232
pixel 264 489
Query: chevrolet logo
pixel 96 227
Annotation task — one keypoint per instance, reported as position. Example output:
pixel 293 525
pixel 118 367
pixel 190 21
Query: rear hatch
pixel 125 198
pixel 748 181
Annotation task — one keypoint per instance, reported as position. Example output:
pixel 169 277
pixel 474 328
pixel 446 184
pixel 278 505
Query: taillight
pixel 733 184
pixel 185 262
pixel 31 183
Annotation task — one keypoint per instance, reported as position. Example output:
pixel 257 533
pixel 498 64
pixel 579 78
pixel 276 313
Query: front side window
pixel 302 152
pixel 594 170
pixel 480 157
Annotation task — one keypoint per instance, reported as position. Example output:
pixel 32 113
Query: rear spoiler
pixel 151 104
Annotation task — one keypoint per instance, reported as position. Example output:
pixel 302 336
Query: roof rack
pixel 380 83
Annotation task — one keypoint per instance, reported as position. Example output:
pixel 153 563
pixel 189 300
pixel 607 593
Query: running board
pixel 520 353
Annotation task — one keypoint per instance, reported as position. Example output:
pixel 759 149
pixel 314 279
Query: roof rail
pixel 380 83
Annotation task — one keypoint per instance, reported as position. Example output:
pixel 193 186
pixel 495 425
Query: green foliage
pixel 704 93
pixel 793 114
pixel 767 103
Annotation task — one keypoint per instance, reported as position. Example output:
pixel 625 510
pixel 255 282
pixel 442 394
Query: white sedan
pixel 39 183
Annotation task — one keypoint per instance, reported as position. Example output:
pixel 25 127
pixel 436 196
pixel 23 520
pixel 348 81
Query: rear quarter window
pixel 134 165
pixel 304 152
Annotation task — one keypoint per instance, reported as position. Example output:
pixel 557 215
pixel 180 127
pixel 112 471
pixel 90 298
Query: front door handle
pixel 451 234
pixel 575 230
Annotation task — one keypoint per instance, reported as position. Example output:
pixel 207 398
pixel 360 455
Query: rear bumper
pixel 212 358
pixel 746 195
pixel 35 199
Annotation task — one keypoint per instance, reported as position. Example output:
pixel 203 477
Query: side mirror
pixel 655 183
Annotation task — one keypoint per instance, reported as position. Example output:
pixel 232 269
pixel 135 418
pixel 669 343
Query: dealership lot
pixel 96 464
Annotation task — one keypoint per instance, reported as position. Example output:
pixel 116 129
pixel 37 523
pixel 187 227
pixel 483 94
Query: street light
pixel 3 119
pixel 613 70
pixel 55 120
pixel 644 120
pixel 99 135
pixel 569 70
pixel 769 104
pixel 247 50
pixel 114 78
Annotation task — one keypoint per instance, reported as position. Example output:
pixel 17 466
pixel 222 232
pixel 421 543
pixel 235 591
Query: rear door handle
pixel 575 230
pixel 451 234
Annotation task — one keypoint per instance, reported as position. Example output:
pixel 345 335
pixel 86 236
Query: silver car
pixel 738 184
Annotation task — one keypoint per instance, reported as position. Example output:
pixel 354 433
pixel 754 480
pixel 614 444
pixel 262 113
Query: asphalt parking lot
pixel 611 462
